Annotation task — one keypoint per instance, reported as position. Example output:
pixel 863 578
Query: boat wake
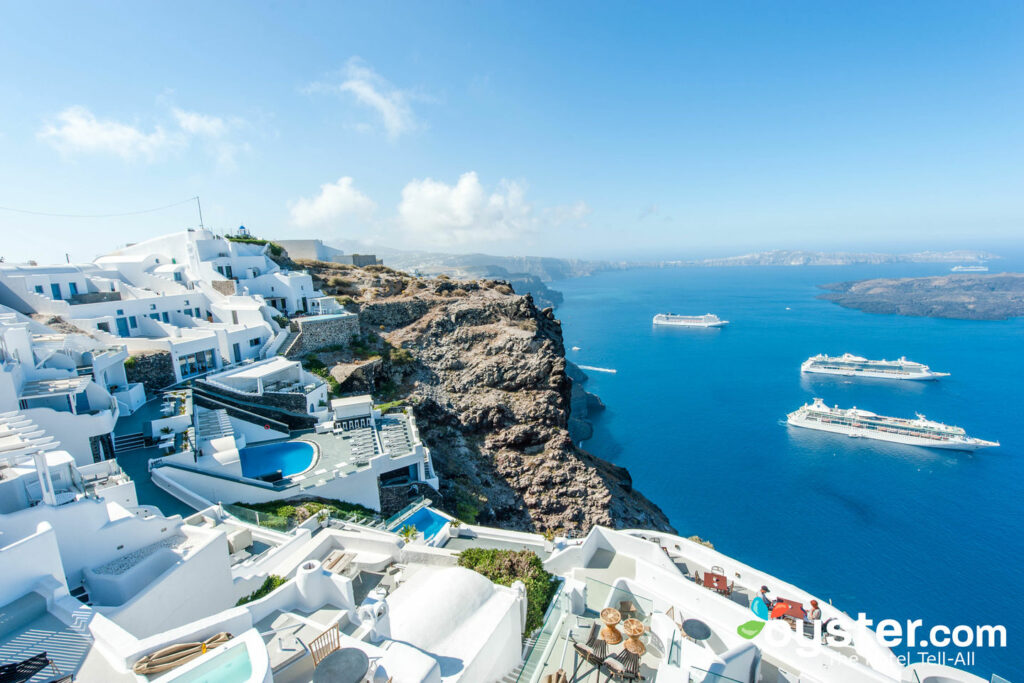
pixel 592 368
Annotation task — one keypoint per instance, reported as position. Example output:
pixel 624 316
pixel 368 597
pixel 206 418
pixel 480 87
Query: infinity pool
pixel 288 457
pixel 426 522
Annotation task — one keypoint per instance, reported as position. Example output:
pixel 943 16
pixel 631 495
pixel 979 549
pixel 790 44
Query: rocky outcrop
pixel 970 297
pixel 486 373
pixel 582 405
pixel 154 369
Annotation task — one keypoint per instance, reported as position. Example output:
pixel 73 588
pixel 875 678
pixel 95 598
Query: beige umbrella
pixel 173 656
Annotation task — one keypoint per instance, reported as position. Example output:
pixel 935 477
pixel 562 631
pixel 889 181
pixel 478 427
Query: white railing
pixel 273 344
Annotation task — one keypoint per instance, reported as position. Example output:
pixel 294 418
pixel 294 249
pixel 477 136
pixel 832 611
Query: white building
pixel 353 457
pixel 70 385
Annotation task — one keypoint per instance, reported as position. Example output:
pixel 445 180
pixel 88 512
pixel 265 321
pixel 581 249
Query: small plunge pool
pixel 287 457
pixel 426 521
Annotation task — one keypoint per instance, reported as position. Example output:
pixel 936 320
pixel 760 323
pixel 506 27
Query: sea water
pixel 697 416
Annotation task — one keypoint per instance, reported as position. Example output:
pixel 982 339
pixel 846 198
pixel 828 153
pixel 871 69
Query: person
pixel 768 600
pixel 815 614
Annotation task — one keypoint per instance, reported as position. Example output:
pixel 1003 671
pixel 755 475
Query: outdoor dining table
pixel 610 617
pixel 716 582
pixel 697 630
pixel 634 628
pixel 347 665
pixel 794 610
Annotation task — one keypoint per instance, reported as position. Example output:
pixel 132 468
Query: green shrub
pixel 130 362
pixel 507 566
pixel 270 584
pixel 400 356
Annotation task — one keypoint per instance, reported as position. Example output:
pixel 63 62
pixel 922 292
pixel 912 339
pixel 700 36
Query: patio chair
pixel 593 653
pixel 623 666
pixel 715 569
pixel 324 644
pixel 22 671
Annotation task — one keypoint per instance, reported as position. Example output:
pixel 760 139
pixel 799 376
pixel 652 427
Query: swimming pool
pixel 288 457
pixel 426 521
pixel 232 665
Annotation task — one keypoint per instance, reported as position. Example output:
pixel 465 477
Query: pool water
pixel 427 522
pixel 230 666
pixel 288 457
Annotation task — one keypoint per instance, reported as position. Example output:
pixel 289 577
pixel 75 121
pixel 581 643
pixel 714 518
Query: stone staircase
pixel 129 442
pixel 526 668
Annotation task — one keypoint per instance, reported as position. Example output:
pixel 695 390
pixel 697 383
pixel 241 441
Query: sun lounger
pixel 22 671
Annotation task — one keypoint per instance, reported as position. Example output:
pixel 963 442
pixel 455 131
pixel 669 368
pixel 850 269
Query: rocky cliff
pixel 485 370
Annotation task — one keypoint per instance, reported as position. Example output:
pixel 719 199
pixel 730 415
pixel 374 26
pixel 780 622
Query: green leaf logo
pixel 750 629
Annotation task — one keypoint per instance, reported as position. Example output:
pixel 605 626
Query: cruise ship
pixel 706 320
pixel 969 269
pixel 861 423
pixel 849 365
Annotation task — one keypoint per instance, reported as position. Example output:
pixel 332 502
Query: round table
pixel 634 628
pixel 347 665
pixel 696 629
pixel 610 617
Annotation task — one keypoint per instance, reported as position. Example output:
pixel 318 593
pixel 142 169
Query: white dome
pixel 435 602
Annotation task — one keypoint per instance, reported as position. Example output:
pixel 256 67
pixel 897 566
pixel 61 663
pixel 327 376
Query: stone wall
pixel 154 369
pixel 225 287
pixel 315 334
pixel 393 314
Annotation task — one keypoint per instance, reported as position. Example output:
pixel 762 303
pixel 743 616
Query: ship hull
pixel 857 432
pixel 914 377
pixel 720 323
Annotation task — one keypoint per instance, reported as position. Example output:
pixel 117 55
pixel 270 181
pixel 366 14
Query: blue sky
pixel 572 129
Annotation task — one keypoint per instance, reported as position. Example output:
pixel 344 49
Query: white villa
pixel 353 456
pixel 207 300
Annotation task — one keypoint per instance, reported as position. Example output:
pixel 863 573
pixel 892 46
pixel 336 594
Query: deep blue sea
pixel 697 416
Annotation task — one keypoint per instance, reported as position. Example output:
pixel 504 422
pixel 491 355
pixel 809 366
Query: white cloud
pixel 466 213
pixel 195 123
pixel 76 129
pixel 335 201
pixel 374 91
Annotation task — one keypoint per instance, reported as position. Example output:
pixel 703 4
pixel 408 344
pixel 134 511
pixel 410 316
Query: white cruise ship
pixel 969 269
pixel 706 320
pixel 849 365
pixel 861 423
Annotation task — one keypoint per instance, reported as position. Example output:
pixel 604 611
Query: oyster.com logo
pixel 759 607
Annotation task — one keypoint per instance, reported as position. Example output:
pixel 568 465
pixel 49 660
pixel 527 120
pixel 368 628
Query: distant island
pixel 969 297
pixel 800 257
pixel 547 268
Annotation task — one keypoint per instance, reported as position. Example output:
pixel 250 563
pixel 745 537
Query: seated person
pixel 764 595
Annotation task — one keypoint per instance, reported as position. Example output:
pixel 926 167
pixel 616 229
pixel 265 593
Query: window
pixel 196 309
pixel 234 317
pixel 39 289
pixel 177 276
pixel 152 307
pixel 254 342
pixel 120 311
pixel 103 326
pixel 166 318
pixel 133 321
pixel 186 302
pixel 73 288
pixel 154 316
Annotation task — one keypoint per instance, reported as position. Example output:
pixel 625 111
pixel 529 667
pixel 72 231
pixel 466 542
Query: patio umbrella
pixel 173 656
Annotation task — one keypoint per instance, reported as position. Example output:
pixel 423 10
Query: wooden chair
pixel 594 652
pixel 22 671
pixel 623 666
pixel 324 644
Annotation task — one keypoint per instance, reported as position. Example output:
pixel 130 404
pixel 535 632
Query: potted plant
pixel 165 430
pixel 408 533
pixel 454 526
pixel 321 517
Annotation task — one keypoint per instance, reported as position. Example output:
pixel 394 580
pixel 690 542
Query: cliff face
pixel 486 372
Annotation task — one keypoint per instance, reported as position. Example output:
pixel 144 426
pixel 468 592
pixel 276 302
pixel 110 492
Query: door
pixel 55 290
pixel 238 353
pixel 122 327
